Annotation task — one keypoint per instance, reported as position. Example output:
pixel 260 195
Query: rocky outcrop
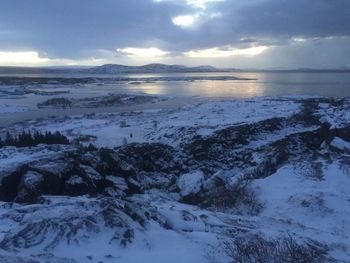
pixel 63 176
pixel 144 166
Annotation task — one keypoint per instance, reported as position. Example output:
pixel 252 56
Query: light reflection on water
pixel 266 84
pixel 201 88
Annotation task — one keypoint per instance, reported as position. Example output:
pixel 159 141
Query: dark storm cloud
pixel 270 22
pixel 77 28
pixel 66 28
pixel 300 17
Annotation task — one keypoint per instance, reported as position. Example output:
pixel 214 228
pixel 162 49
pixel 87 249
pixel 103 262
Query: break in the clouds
pixel 224 33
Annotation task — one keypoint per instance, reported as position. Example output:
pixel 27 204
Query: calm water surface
pixel 265 84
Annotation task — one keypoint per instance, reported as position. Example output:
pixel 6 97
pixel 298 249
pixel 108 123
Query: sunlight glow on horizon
pixel 220 53
pixel 32 58
pixel 20 58
pixel 143 52
pixel 133 54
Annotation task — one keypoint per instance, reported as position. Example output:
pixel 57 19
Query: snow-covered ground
pixel 181 185
pixel 164 126
pixel 315 209
pixel 6 109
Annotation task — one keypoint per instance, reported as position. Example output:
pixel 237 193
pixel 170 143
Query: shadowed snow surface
pixel 176 186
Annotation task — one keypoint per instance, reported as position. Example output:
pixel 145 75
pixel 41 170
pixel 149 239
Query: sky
pixel 222 33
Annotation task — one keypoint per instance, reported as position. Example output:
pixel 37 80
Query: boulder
pixel 75 186
pixel 30 187
pixel 148 157
pixel 191 183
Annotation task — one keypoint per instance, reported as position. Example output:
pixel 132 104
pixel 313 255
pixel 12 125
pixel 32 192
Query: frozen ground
pixel 164 126
pixel 6 109
pixel 183 185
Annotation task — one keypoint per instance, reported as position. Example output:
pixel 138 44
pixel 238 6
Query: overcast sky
pixel 223 33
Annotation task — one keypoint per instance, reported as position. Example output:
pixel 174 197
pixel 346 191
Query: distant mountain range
pixel 110 69
pixel 150 68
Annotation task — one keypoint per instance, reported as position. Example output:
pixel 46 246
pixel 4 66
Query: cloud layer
pixel 90 30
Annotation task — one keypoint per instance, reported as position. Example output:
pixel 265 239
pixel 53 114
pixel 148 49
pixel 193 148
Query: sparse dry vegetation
pixel 239 196
pixel 255 249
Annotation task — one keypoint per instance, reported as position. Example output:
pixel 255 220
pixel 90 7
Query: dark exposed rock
pixel 63 176
pixel 56 102
pixel 149 157
pixel 145 166
pixel 77 173
pixel 30 187
pixel 9 184
pixel 206 148
pixel 343 133
pixel 76 186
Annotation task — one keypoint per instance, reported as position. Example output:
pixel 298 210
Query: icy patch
pixel 340 144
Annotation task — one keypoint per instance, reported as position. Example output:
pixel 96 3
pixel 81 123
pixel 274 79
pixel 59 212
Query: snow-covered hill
pixel 258 180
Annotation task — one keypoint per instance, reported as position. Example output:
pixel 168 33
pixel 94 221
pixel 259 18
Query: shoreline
pixel 8 119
